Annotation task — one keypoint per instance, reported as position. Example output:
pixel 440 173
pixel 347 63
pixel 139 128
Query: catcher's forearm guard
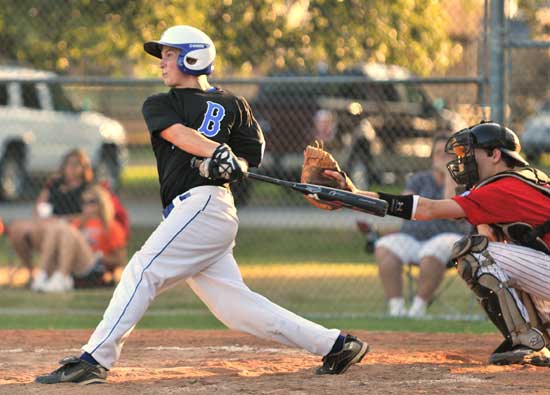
pixel 401 206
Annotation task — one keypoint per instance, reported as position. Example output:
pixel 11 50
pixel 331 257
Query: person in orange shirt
pixel 83 249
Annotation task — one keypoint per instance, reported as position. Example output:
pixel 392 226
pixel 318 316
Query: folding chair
pixel 15 275
pixel 411 275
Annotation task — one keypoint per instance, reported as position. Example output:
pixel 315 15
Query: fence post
pixel 496 70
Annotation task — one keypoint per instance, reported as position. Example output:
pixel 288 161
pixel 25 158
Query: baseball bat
pixel 334 196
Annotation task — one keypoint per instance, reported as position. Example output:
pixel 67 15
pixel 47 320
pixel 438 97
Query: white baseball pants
pixel 195 243
pixel 528 268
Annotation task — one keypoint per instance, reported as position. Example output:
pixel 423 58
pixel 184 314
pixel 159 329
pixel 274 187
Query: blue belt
pixel 171 206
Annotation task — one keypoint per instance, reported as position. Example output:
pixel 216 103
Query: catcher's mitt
pixel 316 160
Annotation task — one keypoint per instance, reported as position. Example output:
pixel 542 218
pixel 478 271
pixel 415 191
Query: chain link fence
pixel 529 100
pixel 378 119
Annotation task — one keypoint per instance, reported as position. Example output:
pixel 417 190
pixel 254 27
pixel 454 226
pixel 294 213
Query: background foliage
pixel 105 37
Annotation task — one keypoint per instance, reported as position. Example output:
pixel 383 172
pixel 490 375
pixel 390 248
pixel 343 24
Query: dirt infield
pixel 226 362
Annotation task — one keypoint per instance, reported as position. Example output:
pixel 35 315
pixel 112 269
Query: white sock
pixel 396 307
pixel 418 307
pixel 58 282
pixel 39 280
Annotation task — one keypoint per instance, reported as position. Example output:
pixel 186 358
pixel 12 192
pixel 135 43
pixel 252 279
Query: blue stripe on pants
pixel 143 271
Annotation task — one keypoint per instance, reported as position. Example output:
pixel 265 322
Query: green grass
pixel 67 321
pixel 407 325
pixel 208 321
pixel 324 275
pixel 326 302
pixel 264 246
pixel 346 302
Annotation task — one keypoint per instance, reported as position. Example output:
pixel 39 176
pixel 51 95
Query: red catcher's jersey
pixel 506 200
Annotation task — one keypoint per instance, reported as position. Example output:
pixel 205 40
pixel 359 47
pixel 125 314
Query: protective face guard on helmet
pixel 463 169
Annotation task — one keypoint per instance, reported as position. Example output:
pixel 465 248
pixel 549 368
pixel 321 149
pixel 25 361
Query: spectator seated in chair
pixel 426 244
pixel 79 253
pixel 58 199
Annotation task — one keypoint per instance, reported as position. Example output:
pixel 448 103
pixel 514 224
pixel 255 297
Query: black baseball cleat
pixel 338 362
pixel 506 354
pixel 75 370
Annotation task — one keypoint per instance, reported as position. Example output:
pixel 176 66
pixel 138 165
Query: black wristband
pixel 398 205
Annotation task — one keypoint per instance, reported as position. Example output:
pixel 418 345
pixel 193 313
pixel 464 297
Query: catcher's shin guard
pixel 495 296
pixel 519 328
pixel 534 317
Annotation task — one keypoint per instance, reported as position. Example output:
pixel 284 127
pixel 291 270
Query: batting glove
pixel 223 165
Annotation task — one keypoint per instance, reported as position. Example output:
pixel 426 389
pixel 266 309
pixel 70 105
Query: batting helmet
pixel 485 135
pixel 197 49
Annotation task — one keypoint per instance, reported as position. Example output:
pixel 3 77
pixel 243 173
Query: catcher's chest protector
pixel 519 232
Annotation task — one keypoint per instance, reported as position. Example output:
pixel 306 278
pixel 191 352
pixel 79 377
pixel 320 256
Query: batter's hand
pixel 223 165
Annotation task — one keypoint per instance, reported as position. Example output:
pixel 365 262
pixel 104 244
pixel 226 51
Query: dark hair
pixel 507 159
pixel 80 155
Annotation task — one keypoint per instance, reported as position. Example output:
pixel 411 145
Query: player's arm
pixel 42 198
pixel 407 206
pixel 422 209
pixel 189 140
pixel 194 143
pixel 428 209
pixel 162 120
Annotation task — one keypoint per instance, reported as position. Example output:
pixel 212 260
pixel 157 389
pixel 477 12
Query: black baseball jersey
pixel 217 114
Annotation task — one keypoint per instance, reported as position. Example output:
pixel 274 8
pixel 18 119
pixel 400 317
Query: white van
pixel 39 124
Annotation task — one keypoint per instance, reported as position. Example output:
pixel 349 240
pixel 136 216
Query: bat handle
pixel 196 162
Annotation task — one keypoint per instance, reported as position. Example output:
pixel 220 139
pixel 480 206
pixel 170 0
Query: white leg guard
pixel 491 285
pixel 539 312
pixel 514 313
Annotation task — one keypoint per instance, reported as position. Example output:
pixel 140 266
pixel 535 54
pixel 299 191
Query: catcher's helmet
pixel 197 49
pixel 485 135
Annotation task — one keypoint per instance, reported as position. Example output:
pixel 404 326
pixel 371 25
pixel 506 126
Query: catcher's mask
pixel 485 135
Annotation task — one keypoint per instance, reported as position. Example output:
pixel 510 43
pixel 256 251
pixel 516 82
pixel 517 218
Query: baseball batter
pixel 194 242
pixel 507 265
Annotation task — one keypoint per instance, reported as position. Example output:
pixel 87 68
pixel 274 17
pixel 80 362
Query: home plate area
pixel 227 362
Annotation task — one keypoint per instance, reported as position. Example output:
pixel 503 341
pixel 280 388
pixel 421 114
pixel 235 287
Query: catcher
pixel 507 262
